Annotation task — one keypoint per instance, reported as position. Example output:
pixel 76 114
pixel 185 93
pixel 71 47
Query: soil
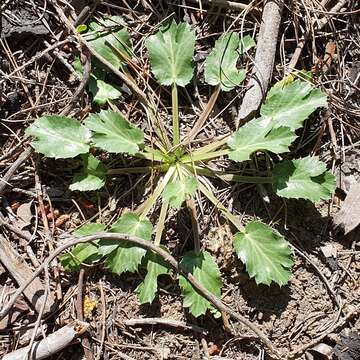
pixel 321 303
pixel 22 19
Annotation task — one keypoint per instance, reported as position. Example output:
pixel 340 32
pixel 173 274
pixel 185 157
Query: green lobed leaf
pixel 92 176
pixel 113 133
pixel 305 178
pixel 171 51
pixel 204 268
pixel 155 266
pixel 102 91
pixel 291 104
pixel 123 256
pixel 59 136
pixel 220 65
pixel 112 41
pixel 257 135
pixel 246 43
pixel 175 192
pixel 107 36
pixel 265 253
pixel 83 253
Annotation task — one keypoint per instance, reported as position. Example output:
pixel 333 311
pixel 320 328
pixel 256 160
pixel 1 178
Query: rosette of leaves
pixel 184 174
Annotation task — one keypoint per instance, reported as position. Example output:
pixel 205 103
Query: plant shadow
pixel 303 224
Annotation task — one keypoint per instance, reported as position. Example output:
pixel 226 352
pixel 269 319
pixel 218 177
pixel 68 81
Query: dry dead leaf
pixel 61 220
pixel 24 215
pixel 213 349
pixel 348 218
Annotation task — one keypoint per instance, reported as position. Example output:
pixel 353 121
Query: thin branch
pixel 264 60
pixel 166 256
pixel 233 5
pixel 319 25
pixel 4 181
pixel 23 275
pixel 164 322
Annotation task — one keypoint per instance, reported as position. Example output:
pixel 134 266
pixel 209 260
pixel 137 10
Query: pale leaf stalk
pixel 232 218
pixel 146 206
pixel 153 141
pixel 206 156
pixel 229 177
pixel 149 156
pixel 161 223
pixel 179 171
pixel 175 114
pixel 214 145
pixel 158 155
pixel 158 125
pixel 138 170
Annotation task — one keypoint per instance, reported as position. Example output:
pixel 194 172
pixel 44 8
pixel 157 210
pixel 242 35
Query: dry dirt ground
pixel 313 315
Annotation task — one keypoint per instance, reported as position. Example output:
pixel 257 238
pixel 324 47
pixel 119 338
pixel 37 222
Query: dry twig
pixel 224 3
pixel 80 314
pixel 23 274
pixel 264 60
pixel 320 24
pixel 166 256
pixel 4 181
pixel 52 344
pixel 165 322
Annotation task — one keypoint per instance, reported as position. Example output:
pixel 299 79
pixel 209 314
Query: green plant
pixel 182 172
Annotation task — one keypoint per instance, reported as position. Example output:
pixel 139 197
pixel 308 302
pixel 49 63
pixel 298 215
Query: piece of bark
pixel 51 344
pixel 21 273
pixel 264 60
pixel 348 218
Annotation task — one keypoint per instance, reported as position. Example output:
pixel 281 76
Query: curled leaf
pixel 220 66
